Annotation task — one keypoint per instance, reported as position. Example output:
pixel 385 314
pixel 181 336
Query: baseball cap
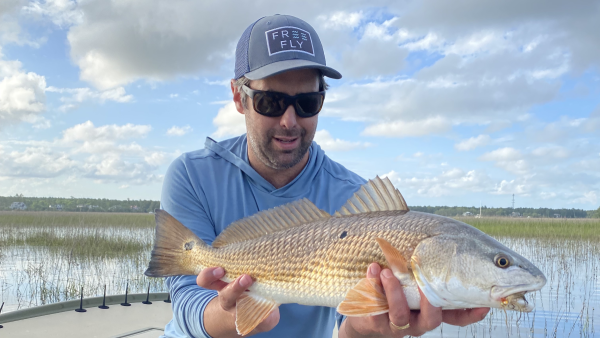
pixel 278 43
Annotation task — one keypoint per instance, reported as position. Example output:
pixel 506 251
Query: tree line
pixel 508 212
pixel 79 204
pixel 112 205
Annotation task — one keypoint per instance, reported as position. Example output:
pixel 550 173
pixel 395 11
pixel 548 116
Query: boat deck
pixel 60 319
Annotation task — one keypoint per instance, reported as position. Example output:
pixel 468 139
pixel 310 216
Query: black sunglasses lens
pixel 309 105
pixel 269 104
pixel 274 104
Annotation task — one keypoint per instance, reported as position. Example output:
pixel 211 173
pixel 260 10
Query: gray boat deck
pixel 60 320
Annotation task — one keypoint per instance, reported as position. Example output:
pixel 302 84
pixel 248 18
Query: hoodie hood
pixel 235 151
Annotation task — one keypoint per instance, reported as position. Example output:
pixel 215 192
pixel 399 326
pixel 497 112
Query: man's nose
pixel 288 119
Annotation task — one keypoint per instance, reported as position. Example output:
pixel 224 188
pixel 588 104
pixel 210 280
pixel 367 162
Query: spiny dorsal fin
pixel 375 195
pixel 270 221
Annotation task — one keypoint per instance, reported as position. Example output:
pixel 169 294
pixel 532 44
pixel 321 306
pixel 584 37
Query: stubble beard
pixel 275 159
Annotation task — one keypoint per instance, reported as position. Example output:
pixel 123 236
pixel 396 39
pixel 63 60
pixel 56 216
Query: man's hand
pixel 219 316
pixel 427 319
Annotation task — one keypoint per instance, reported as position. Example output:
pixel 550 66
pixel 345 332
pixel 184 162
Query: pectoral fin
pixel 365 299
pixel 251 310
pixel 394 258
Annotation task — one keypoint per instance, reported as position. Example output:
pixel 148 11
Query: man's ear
pixel 237 98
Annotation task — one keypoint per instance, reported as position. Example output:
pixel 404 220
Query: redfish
pixel 297 253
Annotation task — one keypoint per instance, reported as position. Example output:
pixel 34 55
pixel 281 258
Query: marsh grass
pixel 81 234
pixel 46 257
pixel 80 245
pixel 72 219
pixel 548 228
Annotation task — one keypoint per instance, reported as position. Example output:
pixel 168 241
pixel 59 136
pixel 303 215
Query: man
pixel 279 88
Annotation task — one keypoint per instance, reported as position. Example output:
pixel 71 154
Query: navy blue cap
pixel 278 43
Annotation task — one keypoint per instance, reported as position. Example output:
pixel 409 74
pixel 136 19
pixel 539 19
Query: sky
pixel 462 102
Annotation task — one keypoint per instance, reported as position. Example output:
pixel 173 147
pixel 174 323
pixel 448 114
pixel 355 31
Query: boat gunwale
pixel 71 305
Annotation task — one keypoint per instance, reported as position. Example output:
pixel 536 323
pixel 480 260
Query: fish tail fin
pixel 173 244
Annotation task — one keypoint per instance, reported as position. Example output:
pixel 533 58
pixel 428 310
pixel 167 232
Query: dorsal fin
pixel 375 195
pixel 269 221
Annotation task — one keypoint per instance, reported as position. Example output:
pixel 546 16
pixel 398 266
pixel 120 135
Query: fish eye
pixel 502 261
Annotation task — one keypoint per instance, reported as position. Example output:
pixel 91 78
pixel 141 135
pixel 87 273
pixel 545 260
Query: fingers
pixel 210 278
pixel 399 313
pixel 373 271
pixel 464 317
pixel 233 291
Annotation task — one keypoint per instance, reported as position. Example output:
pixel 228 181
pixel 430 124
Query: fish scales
pixel 297 253
pixel 312 261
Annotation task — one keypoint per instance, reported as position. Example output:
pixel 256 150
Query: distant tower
pixel 513 204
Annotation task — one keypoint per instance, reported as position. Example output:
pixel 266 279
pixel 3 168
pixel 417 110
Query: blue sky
pixel 456 102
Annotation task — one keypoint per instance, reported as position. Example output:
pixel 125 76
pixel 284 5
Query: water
pixel 38 275
pixel 568 306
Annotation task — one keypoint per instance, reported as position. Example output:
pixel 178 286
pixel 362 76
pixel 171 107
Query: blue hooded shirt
pixel 208 189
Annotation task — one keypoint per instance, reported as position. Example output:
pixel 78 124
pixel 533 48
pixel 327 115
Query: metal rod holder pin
pixel 103 306
pixel 81 309
pixel 126 291
pixel 147 301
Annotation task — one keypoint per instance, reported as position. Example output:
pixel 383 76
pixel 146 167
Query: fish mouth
pixel 513 297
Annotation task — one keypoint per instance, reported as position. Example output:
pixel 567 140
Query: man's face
pixel 282 142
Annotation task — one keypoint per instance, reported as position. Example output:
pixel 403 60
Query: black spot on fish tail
pixel 343 234
pixel 189 245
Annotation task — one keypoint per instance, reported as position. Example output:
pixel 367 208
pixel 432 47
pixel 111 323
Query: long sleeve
pixel 185 204
pixel 208 189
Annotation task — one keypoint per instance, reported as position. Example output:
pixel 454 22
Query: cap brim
pixel 282 66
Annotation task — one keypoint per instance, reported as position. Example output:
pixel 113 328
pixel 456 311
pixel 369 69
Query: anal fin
pixel 365 299
pixel 251 310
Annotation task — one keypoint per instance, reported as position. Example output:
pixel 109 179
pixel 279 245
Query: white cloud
pixel 450 182
pixel 429 42
pixel 88 132
pixel 328 143
pixel 503 154
pixel 229 122
pixel 62 13
pixel 79 95
pixel 88 152
pixel 375 54
pixel 589 197
pixel 447 94
pixel 113 168
pixel 551 152
pixel 102 146
pixel 434 125
pixel 509 159
pixel 341 20
pixel 223 82
pixel 34 162
pixel 22 95
pixel 156 158
pixel 179 131
pixel 10 30
pixel 472 143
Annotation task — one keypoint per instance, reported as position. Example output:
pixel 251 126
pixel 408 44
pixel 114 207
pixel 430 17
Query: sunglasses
pixel 274 104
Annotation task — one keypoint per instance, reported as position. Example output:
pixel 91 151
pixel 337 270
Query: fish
pixel 297 253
